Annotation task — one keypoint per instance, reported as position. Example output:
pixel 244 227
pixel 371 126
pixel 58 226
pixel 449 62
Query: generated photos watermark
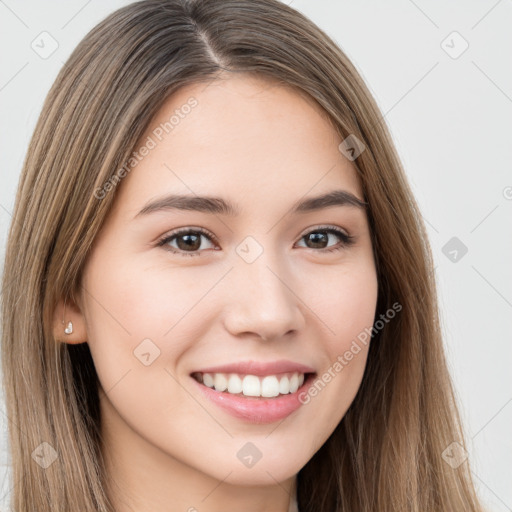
pixel 157 135
pixel 343 360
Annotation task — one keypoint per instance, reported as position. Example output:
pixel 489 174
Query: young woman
pixel 218 291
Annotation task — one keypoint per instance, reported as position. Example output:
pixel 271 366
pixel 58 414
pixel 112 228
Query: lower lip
pixel 257 409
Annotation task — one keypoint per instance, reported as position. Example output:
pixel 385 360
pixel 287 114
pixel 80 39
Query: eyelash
pixel 346 240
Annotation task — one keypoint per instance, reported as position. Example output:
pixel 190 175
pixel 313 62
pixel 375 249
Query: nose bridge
pixel 262 299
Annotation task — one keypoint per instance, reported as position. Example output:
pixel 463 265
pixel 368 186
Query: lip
pixel 256 409
pixel 258 368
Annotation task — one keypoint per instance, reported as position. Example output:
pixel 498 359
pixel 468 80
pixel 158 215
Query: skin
pixel 264 147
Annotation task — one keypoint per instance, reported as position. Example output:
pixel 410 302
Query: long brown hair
pixel 387 452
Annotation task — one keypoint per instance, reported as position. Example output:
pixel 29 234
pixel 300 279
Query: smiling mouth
pixel 255 386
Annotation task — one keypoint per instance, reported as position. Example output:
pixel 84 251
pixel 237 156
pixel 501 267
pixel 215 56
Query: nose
pixel 263 302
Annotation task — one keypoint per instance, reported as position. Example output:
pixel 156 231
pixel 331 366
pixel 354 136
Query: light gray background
pixel 451 119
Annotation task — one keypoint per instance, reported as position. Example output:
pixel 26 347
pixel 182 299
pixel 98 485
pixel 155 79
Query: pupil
pixel 318 237
pixel 193 242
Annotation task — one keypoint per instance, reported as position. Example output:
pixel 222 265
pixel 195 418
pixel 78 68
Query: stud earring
pixel 69 328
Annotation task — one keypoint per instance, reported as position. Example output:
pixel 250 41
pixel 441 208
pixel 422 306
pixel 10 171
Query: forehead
pixel 240 136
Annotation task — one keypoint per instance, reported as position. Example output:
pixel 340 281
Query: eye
pixel 188 240
pixel 321 236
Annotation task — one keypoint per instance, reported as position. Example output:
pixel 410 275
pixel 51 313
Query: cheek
pixel 139 325
pixel 133 310
pixel 346 305
pixel 351 312
pixel 137 301
pixel 344 301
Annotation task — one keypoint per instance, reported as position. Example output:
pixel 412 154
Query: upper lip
pixel 258 368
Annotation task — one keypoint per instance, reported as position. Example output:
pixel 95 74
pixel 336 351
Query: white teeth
pixel 220 382
pixel 252 385
pixel 208 380
pixel 284 386
pixel 234 384
pixel 294 383
pixel 270 386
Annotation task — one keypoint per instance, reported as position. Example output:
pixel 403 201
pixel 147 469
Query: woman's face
pixel 266 285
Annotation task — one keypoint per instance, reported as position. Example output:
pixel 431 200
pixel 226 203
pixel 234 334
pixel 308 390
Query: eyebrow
pixel 219 206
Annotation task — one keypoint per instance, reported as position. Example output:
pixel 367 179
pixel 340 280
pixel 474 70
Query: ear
pixel 69 323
